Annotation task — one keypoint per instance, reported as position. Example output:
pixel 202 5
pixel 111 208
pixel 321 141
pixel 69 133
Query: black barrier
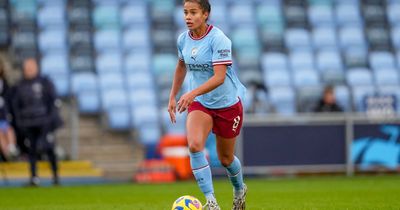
pixel 294 145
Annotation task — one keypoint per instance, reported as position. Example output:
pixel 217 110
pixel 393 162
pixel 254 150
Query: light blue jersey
pixel 200 55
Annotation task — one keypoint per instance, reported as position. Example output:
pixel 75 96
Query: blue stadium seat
pixel 387 76
pixel 53 15
pixel 359 77
pixel 382 60
pixel 348 15
pixel 305 77
pixel 109 81
pixel 329 60
pixel 355 57
pixel 308 97
pixel 114 98
pixel 351 37
pixel 139 80
pixel 277 78
pixel 106 17
pixel 118 119
pixel 298 40
pixel 248 57
pixel 301 60
pixel 109 62
pixel 84 82
pixel 268 14
pixel 359 93
pixel 61 83
pixel 164 64
pixel 134 13
pixel 149 135
pixel 145 115
pixel 179 18
pixel 396 37
pixel 274 61
pixel 391 90
pixel 107 40
pixel 136 39
pixel 283 99
pixel 393 13
pixel 321 16
pixel 342 95
pixel 161 11
pixel 242 13
pixel 142 97
pixel 53 40
pixel 326 3
pixel 219 13
pixel 88 102
pixel 54 63
pixel 137 61
pixel 244 36
pixel 325 38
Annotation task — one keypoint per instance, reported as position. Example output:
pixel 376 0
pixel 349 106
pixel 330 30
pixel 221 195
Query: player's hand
pixel 185 101
pixel 172 109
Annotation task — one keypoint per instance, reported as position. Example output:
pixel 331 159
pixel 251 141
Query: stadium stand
pixel 124 52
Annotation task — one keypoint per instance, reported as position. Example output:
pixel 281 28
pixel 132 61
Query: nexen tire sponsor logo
pixel 198 67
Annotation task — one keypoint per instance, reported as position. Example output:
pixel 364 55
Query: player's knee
pixel 195 146
pixel 226 160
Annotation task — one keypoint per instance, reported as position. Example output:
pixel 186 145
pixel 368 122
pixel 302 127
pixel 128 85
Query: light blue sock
pixel 202 173
pixel 235 174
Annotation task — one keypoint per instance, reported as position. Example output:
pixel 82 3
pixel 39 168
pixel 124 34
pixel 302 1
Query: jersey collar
pixel 207 32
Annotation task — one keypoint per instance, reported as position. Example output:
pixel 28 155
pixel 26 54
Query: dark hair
pixel 204 4
pixel 329 89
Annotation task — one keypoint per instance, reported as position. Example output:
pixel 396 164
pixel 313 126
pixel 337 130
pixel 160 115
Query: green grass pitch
pixel 362 192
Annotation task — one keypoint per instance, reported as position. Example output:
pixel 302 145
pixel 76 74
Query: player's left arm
pixel 211 84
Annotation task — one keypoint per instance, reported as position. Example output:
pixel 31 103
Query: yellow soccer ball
pixel 187 202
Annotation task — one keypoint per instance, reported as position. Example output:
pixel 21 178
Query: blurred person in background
pixel 258 99
pixel 37 117
pixel 213 101
pixel 328 101
pixel 7 136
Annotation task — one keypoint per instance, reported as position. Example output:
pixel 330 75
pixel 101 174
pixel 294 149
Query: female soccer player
pixel 213 101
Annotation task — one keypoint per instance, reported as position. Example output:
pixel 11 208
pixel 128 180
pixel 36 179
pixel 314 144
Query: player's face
pixel 194 15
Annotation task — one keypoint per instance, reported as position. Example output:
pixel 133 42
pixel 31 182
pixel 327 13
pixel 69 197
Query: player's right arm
pixel 179 77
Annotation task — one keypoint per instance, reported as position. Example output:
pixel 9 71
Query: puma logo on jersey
pixel 236 122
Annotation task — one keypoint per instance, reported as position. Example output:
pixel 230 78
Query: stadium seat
pixel 374 14
pixel 164 64
pixel 305 77
pixel 351 37
pixel 355 57
pixel 84 82
pixel 219 13
pixel 274 61
pixel 61 83
pixel 329 60
pixel 137 39
pixel 111 81
pixel 53 15
pixel 54 63
pixel 342 95
pixel 242 13
pixel 359 77
pixel 283 99
pixel 378 38
pixel 164 40
pixel 139 80
pixel 248 57
pixel 162 11
pixel 277 78
pixel 296 16
pixel 137 61
pixel 382 60
pixel 142 97
pixel 359 93
pixel 348 15
pixel 79 16
pixel 298 40
pixel 134 13
pixel 24 40
pixel 118 120
pixel 106 17
pixel 388 76
pixel 80 39
pixel 268 14
pixel 53 40
pixel 107 40
pixel 114 98
pixel 81 63
pixel 321 16
pixel 393 13
pixel 396 37
pixel 149 135
pixel 324 38
pixel 88 102
pixel 301 60
pixel 145 115
pixel 109 62
pixel 244 36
